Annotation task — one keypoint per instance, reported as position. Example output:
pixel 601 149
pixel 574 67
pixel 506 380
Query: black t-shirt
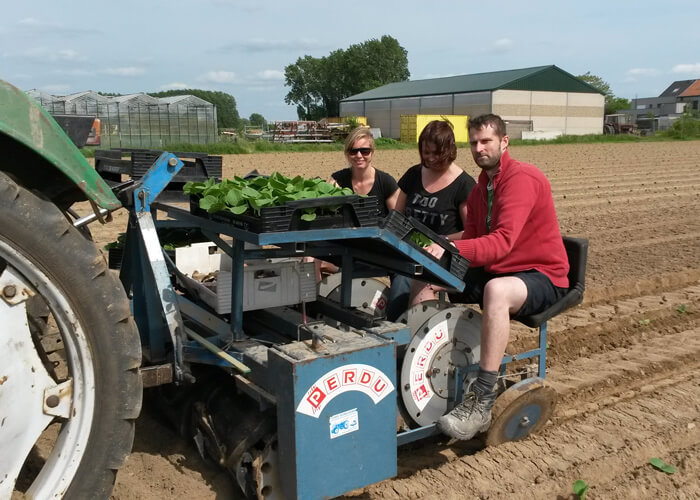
pixel 384 186
pixel 440 210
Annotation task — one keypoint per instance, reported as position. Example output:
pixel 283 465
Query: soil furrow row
pixel 667 197
pixel 598 446
pixel 614 191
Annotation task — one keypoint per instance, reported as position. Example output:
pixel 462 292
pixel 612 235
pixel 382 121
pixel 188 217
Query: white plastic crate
pixel 265 285
pixel 204 258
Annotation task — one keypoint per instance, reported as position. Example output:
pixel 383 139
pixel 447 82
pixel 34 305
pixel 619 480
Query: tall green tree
pixel 226 112
pixel 613 104
pixel 317 85
pixel 257 119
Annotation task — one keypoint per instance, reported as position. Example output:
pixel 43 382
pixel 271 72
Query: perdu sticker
pixel 422 360
pixel 344 423
pixel 355 377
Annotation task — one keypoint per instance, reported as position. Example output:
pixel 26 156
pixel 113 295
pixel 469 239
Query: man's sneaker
pixel 467 419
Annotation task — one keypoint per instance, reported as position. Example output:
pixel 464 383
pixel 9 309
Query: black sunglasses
pixel 362 151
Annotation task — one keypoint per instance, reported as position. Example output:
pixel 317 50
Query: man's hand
pixel 435 250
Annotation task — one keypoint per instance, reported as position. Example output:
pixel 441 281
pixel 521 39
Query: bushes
pixel 685 127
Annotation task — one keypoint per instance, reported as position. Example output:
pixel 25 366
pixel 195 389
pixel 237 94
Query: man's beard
pixel 488 163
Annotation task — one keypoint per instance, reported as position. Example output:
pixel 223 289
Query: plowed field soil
pixel 625 363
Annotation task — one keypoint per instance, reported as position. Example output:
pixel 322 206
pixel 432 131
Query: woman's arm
pixel 400 205
pixel 392 200
pixel 462 210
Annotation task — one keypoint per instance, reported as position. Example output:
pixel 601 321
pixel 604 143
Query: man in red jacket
pixel 518 261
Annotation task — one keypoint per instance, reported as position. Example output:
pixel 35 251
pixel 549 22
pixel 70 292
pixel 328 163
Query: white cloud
pixel 34 24
pixel 174 86
pixel 642 72
pixel 29 21
pixel 270 45
pixel 502 45
pixel 271 74
pixel 68 54
pixel 687 68
pixel 56 88
pixel 219 77
pixel 74 72
pixel 46 54
pixel 125 71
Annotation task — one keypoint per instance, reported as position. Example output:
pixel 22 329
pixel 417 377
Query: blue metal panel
pixel 155 180
pixel 319 235
pixel 542 360
pixel 333 437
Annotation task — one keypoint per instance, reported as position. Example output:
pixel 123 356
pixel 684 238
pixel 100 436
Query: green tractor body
pixel 41 157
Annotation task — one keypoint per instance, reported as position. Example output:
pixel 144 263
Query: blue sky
pixel 242 47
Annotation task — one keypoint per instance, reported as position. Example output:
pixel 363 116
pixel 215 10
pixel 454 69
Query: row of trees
pixel 318 84
pixel 613 104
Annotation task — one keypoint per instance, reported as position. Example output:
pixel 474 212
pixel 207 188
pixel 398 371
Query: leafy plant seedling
pixel 681 308
pixel 420 239
pixel 644 322
pixel 662 466
pixel 240 195
pixel 580 488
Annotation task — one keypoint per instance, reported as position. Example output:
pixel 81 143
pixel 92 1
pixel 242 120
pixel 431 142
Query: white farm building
pixel 542 99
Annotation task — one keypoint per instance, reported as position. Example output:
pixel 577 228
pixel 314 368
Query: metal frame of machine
pixel 332 386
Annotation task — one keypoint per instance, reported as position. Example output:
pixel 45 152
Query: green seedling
pixel 420 239
pixel 118 243
pixel 644 322
pixel 681 308
pixel 240 195
pixel 580 488
pixel 662 466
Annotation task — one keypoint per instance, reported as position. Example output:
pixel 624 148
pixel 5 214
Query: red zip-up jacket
pixel 524 227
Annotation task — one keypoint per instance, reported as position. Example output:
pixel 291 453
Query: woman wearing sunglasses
pixel 361 176
pixel 435 192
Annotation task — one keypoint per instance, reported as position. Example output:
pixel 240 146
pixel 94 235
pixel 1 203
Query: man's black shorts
pixel 541 293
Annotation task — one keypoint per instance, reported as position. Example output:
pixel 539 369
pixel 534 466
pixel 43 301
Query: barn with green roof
pixel 544 98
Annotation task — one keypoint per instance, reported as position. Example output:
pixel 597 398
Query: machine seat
pixel 577 253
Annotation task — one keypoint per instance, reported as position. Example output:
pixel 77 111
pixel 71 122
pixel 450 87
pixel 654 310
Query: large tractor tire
pixel 70 388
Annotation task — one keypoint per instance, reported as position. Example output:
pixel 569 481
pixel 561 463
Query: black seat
pixel 577 253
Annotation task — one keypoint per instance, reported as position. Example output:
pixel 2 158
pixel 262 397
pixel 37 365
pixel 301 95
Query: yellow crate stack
pixel 413 125
pixel 361 120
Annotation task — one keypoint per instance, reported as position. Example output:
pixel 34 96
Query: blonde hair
pixel 357 134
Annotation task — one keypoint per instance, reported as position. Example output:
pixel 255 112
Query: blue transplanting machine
pixel 299 395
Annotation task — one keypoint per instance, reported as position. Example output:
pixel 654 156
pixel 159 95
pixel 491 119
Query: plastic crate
pixel 354 211
pixel 197 167
pixel 264 286
pixel 403 226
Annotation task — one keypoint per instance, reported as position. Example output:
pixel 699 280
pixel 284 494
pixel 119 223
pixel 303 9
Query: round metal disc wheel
pixel 521 410
pixel 69 356
pixel 369 295
pixel 447 340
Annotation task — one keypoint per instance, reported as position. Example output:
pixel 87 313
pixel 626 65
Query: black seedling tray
pixel 403 226
pixel 353 211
